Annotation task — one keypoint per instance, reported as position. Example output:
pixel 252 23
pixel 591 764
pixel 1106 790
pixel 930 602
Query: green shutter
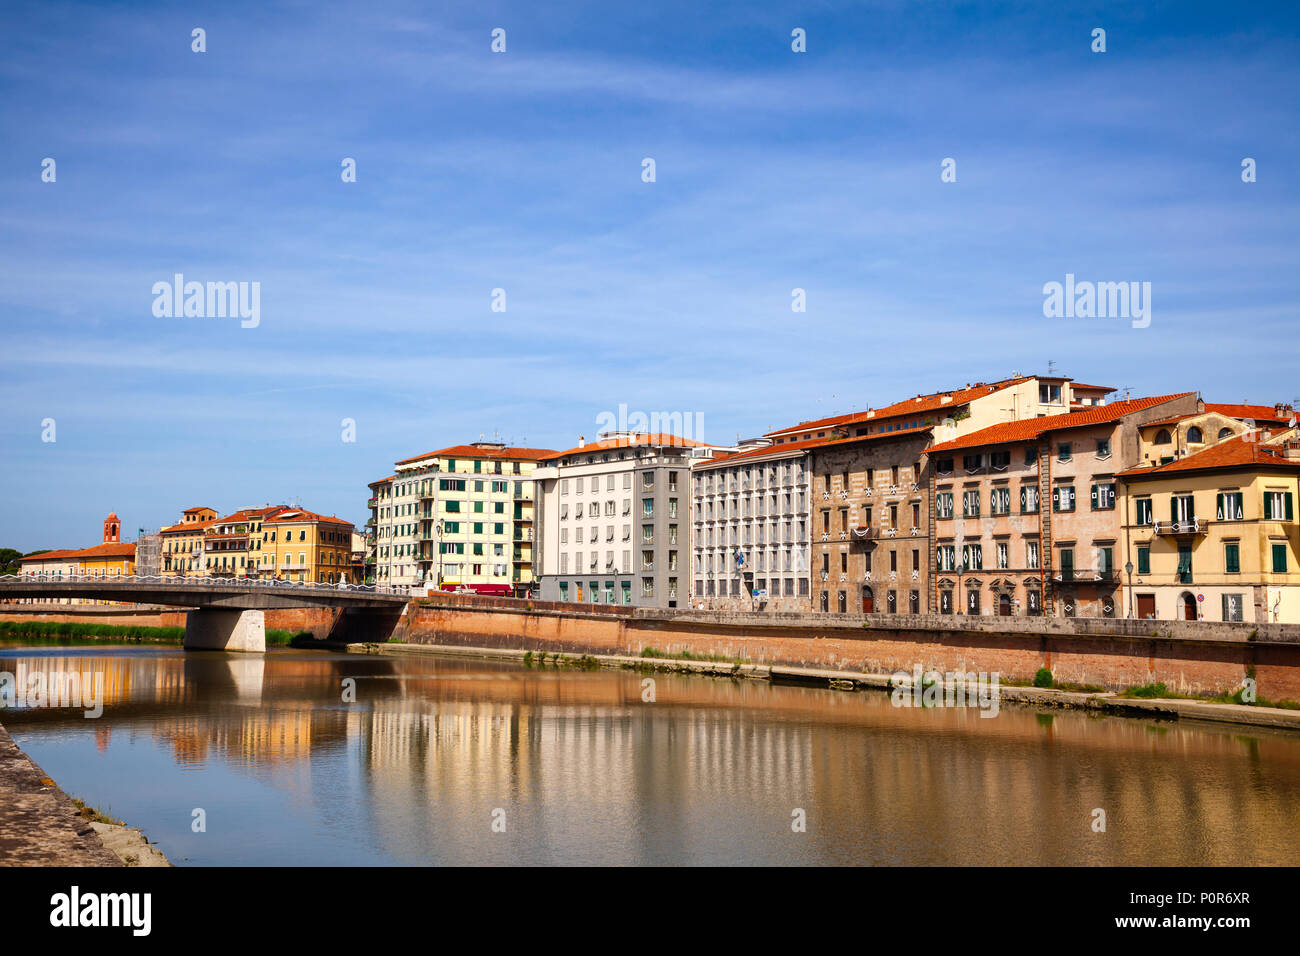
pixel 1279 559
pixel 1232 558
pixel 1218 507
pixel 1094 497
pixel 1144 560
pixel 1289 513
pixel 1268 506
pixel 1173 508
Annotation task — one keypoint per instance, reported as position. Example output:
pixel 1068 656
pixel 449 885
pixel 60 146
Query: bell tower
pixel 112 529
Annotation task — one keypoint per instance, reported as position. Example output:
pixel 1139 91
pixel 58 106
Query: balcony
pixel 371 502
pixel 1188 526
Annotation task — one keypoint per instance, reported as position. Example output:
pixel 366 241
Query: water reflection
pixel 584 771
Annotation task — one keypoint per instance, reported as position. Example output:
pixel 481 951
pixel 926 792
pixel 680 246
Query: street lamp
pixel 1128 569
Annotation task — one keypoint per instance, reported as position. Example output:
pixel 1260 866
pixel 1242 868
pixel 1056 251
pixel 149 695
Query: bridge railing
pixel 269 584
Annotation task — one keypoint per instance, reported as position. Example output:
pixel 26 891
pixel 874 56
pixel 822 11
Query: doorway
pixel 1189 606
pixel 1004 605
pixel 1146 606
pixel 868 600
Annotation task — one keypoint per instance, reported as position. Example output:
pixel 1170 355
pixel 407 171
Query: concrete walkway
pixel 39 825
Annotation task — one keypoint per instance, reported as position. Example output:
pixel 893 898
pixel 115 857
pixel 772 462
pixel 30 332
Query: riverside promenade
pixel 39 824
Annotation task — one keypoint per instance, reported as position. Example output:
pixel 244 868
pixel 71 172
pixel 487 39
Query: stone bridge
pixel 227 613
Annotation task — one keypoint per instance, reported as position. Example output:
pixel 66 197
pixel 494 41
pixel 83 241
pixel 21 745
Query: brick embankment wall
pixel 318 620
pixel 1194 658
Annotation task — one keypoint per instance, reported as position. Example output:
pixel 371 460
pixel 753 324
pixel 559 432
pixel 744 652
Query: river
pixel 454 761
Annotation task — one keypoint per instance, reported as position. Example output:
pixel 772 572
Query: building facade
pixel 749 529
pixel 1026 517
pixel 458 518
pixel 871 525
pixel 232 545
pixel 302 546
pixel 1213 535
pixel 182 543
pixel 613 520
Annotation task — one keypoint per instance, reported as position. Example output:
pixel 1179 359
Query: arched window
pixel 1194 436
pixel 1163 437
pixel 1225 433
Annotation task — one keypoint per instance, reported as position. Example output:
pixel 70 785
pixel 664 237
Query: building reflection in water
pixel 585 771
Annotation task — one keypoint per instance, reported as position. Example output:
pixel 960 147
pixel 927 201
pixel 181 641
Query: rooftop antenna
pixel 1051 368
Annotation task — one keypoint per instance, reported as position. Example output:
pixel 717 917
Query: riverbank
pixel 39 823
pixel 1103 702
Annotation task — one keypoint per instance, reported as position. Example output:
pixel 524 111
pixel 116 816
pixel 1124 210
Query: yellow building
pixel 300 545
pixel 232 545
pixel 112 558
pixel 1212 535
pixel 182 544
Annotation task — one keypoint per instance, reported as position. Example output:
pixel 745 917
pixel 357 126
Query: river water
pixel 450 761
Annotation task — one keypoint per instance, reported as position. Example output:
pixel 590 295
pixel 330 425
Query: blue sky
pixel 522 171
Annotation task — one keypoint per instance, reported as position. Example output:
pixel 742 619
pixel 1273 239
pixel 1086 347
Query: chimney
pixel 1281 410
pixel 582 442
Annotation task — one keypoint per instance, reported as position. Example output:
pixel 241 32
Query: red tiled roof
pixel 379 481
pixel 303 515
pixel 760 452
pixel 1092 388
pixel 47 556
pixel 1260 413
pixel 910 406
pixel 197 508
pixel 1229 453
pixel 1029 429
pixel 115 549
pixel 470 452
pixel 246 514
pixel 188 525
pixel 651 439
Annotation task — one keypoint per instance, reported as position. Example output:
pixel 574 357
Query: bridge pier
pixel 220 629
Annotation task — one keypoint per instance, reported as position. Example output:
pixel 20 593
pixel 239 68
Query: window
pixel 1106 560
pixel 1277 506
pixel 1232 558
pixel 943 504
pixel 970 503
pixel 1279 558
pixel 1194 436
pixel 1232 607
pixel 1225 433
pixel 1163 437
pixel 1103 496
pixel 1031 455
pixel 971 463
pixel 1063 498
pixel 1004 556
pixel 1067 564
pixel 947 557
pixel 1144 512
pixel 1064 451
pixel 1049 394
pixel 1184 564
pixel 999 460
pixel 1103 448
pixel 1228 506
pixel 945 602
pixel 1031 555
pixel 972 556
pixel 1144 560
pixel 1000 501
pixel 1028 499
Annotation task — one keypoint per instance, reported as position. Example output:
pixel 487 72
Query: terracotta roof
pixel 1092 388
pixel 1260 413
pixel 47 556
pixel 197 508
pixel 910 406
pixel 116 549
pixel 648 440
pixel 379 481
pixel 760 452
pixel 188 525
pixel 302 514
pixel 246 514
pixel 1174 420
pixel 470 452
pixel 1229 453
pixel 1029 429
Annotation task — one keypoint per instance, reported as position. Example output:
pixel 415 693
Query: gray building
pixel 613 520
